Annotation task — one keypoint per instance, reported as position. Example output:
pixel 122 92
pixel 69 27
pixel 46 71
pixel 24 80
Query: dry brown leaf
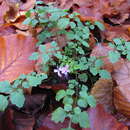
pixel 116 31
pixel 15 50
pixel 122 78
pixel 121 102
pixel 103 93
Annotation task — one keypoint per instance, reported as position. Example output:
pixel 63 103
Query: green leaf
pixel 60 94
pixel 3 103
pixel 70 92
pixel 28 14
pixel 72 25
pixel 54 44
pixel 117 41
pixel 5 87
pixel 83 77
pixel 45 58
pixel 112 45
pixel 75 118
pixel 63 23
pixel 98 63
pixel 27 21
pixel 67 107
pixel 92 27
pixel 127 44
pixel 35 80
pixel 83 94
pixel 58 55
pixel 42 48
pixel 44 35
pixel 68 100
pixel 128 55
pixel 84 120
pixel 80 50
pixel 59 115
pixel 91 101
pixel 77 110
pixel 84 43
pixel 25 84
pixel 100 25
pixel 84 88
pixel 16 83
pixel 34 56
pixel 39 2
pixel 93 70
pixel 105 74
pixel 82 102
pixel 70 35
pixel 34 22
pixel 17 98
pixel 113 56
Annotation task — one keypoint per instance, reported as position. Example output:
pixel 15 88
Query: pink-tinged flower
pixel 62 71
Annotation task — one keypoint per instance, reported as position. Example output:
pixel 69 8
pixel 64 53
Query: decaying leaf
pixel 103 93
pixel 122 78
pixel 48 124
pixel 116 31
pixel 121 102
pixel 15 50
pixel 101 120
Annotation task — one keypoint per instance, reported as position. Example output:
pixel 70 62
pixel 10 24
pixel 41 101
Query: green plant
pixel 121 48
pixel 73 63
pixel 14 91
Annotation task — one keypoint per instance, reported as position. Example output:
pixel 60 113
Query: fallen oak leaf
pixel 15 50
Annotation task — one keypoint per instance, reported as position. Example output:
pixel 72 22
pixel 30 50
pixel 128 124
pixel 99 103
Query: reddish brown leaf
pixel 100 120
pixel 103 93
pixel 122 76
pixel 121 101
pixel 23 121
pixel 15 50
pixel 48 124
pixel 116 31
pixel 7 120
